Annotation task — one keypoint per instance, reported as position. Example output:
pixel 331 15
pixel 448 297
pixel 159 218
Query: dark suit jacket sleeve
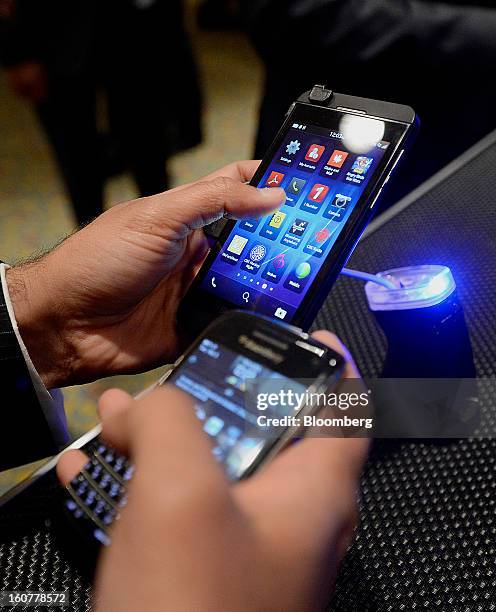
pixel 32 426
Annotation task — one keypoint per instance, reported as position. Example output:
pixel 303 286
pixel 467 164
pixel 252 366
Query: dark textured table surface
pixel 427 538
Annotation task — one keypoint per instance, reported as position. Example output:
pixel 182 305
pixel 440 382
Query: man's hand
pixel 105 300
pixel 188 540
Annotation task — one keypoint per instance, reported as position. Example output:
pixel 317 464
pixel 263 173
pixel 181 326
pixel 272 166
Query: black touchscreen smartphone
pixel 333 155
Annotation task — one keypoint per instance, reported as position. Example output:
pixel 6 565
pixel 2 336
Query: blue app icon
pixel 249 225
pixel 213 425
pixel 254 258
pixel 294 189
pixel 311 207
pixel 338 207
pixel 294 234
pixel 362 164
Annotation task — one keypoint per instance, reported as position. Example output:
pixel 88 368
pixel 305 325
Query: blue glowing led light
pixel 439 284
pixel 414 287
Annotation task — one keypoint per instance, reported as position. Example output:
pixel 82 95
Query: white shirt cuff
pixel 51 402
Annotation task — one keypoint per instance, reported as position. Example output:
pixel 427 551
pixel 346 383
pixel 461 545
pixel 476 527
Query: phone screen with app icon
pixel 329 173
pixel 224 386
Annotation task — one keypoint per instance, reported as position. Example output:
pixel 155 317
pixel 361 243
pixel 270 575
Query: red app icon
pixel 322 235
pixel 318 193
pixel 314 153
pixel 274 180
pixel 337 159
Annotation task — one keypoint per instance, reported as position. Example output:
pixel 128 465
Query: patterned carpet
pixel 35 214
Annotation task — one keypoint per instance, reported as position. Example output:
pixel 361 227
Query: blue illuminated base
pixel 411 288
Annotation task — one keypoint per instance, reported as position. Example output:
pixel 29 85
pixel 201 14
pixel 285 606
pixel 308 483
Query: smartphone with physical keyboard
pixel 240 359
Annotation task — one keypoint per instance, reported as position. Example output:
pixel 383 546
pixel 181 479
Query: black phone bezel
pixel 399 122
pixel 300 362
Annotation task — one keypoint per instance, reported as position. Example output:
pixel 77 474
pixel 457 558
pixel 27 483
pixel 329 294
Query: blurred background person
pixel 436 57
pixel 35 212
pixel 136 53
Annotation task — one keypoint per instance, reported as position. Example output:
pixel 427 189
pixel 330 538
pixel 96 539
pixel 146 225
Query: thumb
pixel 206 201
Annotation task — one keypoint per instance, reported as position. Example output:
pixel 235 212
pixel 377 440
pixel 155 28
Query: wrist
pixel 38 316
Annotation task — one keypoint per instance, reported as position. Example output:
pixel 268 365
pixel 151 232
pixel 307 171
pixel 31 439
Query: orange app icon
pixel 337 159
pixel 274 180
